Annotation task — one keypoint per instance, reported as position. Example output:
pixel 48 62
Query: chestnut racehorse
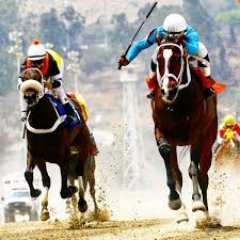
pixel 183 117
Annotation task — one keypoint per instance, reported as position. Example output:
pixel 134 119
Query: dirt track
pixel 139 230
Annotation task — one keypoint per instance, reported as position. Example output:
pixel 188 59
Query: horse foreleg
pixel 205 165
pixel 71 203
pixel 46 183
pixel 165 151
pixel 66 192
pixel 181 212
pixel 29 177
pixel 194 174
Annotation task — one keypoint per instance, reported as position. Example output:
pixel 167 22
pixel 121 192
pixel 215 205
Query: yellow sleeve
pixel 56 56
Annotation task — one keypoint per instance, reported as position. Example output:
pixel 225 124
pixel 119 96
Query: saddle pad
pixel 70 123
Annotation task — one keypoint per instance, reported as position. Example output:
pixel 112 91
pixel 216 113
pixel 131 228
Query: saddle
pixel 62 112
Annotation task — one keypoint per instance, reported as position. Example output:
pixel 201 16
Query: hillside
pixel 94 9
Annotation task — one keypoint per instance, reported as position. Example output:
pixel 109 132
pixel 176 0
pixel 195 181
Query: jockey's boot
pixel 71 112
pixel 238 146
pixel 216 148
pixel 152 84
pixel 24 116
pixel 206 71
pixel 151 95
pixel 208 92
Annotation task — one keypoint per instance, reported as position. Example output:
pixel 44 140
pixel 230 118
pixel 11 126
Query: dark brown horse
pixel 183 117
pixel 49 140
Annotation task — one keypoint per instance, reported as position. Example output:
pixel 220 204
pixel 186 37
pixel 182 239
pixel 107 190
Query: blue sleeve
pixel 191 41
pixel 138 46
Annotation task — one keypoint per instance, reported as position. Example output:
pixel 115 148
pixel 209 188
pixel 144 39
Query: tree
pixel 74 24
pixel 53 30
pixel 8 63
pixel 121 31
pixel 199 18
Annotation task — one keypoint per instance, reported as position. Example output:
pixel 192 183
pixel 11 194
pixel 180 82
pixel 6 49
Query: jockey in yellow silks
pixel 51 65
pixel 229 130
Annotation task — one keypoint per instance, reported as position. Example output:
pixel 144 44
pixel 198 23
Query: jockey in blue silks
pixel 173 24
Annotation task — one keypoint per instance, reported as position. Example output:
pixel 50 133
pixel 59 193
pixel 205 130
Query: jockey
pixel 173 25
pixel 229 129
pixel 51 64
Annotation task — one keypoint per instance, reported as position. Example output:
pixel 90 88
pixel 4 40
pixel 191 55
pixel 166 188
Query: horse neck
pixel 193 91
pixel 43 114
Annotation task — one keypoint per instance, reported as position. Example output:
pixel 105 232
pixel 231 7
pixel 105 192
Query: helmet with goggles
pixel 174 23
pixel 36 51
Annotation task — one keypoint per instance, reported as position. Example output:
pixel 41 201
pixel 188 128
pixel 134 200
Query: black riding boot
pixel 71 112
pixel 216 148
pixel 151 95
pixel 238 146
pixel 208 92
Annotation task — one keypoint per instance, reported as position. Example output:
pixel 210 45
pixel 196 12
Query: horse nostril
pixel 162 91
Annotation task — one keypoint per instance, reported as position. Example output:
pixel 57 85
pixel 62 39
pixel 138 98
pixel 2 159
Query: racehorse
pixel 182 116
pixel 50 140
pixel 228 153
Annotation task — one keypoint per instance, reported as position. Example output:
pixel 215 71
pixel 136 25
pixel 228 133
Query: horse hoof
pixel 198 206
pixel 182 217
pixel 175 204
pixel 35 193
pixel 72 189
pixel 45 215
pixel 68 192
pixel 82 206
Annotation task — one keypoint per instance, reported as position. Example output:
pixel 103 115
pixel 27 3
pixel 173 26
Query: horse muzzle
pixel 170 95
pixel 31 98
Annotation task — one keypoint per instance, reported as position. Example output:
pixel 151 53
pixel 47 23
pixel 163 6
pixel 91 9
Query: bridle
pixel 180 85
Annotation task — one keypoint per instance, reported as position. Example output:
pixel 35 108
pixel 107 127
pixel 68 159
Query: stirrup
pixel 151 95
pixel 208 93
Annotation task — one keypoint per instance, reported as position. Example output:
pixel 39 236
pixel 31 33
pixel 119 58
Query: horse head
pixel 32 86
pixel 171 63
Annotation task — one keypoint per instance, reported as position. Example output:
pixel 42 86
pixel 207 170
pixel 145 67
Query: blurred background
pixel 90 36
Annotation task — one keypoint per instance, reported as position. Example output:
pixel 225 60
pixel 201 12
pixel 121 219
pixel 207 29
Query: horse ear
pixel 158 39
pixel 179 38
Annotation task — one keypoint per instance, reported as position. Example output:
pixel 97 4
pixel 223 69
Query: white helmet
pixel 174 23
pixel 36 51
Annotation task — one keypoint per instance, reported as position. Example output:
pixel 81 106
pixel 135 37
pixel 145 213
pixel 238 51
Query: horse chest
pixel 175 123
pixel 47 146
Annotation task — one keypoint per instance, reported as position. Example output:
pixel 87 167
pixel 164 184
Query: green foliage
pixel 198 16
pixel 121 31
pixel 232 16
pixel 74 25
pixel 8 21
pixel 53 30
